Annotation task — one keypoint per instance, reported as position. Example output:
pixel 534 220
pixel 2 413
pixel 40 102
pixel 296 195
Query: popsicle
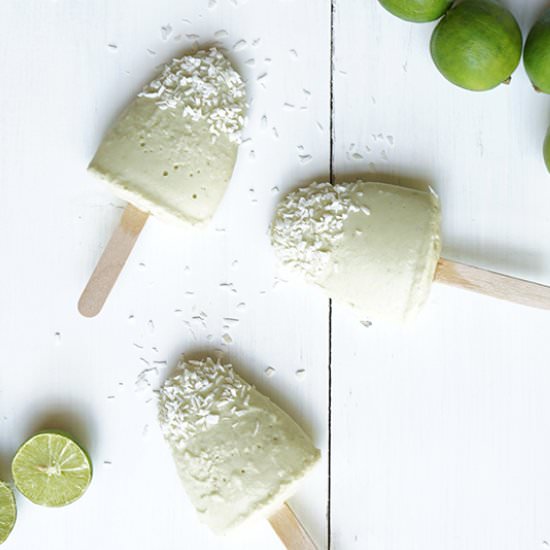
pixel 238 455
pixel 377 247
pixel 170 154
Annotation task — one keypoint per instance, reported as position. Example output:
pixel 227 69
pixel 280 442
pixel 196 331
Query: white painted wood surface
pixel 440 430
pixel 61 87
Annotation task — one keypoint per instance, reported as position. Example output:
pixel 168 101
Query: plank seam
pixel 331 176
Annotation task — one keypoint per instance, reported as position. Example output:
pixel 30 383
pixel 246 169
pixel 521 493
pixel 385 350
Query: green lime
pixel 7 511
pixel 537 54
pixel 51 469
pixel 477 45
pixel 547 150
pixel 418 11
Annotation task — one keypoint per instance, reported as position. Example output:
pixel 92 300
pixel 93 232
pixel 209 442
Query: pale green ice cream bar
pixel 374 246
pixel 171 153
pixel 238 454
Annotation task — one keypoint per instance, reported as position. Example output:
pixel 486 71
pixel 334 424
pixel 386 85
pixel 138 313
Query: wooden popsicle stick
pixel 112 261
pixel 493 284
pixel 290 531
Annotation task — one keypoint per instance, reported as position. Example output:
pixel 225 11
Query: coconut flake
pixel 200 395
pixel 203 86
pixel 308 224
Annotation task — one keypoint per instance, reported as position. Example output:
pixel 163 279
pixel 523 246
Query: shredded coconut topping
pixel 307 225
pixel 200 395
pixel 205 87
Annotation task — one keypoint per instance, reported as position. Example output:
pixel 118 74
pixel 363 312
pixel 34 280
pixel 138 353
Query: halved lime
pixel 7 511
pixel 51 469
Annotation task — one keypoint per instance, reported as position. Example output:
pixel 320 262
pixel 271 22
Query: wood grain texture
pixel 196 292
pixel 112 261
pixel 289 529
pixel 493 284
pixel 439 428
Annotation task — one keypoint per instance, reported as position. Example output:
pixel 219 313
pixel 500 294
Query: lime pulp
pixel 51 469
pixel 7 511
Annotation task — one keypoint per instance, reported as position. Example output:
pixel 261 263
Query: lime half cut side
pixel 7 511
pixel 50 469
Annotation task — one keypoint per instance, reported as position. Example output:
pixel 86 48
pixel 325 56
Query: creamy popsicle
pixel 171 152
pixel 238 454
pixel 374 246
pixel 377 246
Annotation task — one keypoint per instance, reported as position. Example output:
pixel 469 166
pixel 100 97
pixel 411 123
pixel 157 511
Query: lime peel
pixel 417 11
pixel 536 55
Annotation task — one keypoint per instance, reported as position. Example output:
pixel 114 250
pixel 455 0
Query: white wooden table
pixel 438 433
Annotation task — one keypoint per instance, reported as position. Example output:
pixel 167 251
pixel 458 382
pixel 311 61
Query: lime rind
pixel 8 511
pixel 51 469
pixel 417 11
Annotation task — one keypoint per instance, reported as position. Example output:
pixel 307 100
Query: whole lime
pixel 537 54
pixel 477 45
pixel 546 150
pixel 418 11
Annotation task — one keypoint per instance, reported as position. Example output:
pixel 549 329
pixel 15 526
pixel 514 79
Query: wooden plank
pixel 438 429
pixel 69 68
